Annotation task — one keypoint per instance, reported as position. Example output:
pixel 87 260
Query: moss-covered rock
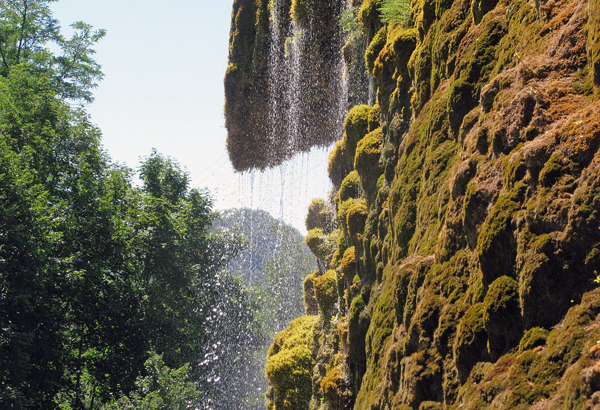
pixel 289 366
pixel 340 164
pixel 366 162
pixel 497 247
pixel 356 127
pixel 319 216
pixel 322 245
pixel 470 345
pixel 502 315
pixel 356 218
pixel 534 337
pixel 311 306
pixel 350 188
pixel 349 263
pixel 370 16
pixel 326 292
pixel 375 48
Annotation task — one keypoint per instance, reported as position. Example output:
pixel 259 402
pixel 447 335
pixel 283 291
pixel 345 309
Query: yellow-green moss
pixel 350 188
pixel 326 292
pixel 534 337
pixel 356 126
pixel 349 263
pixel 340 164
pixel 311 307
pixel 356 219
pixel 375 47
pixel 366 160
pixel 318 216
pixel 289 366
pixel 320 244
pixel 370 17
pixel 479 8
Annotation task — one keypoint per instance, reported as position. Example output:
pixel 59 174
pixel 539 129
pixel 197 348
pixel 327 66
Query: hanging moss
pixel 289 366
pixel 375 48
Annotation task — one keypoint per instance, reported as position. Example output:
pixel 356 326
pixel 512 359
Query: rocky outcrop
pixel 467 261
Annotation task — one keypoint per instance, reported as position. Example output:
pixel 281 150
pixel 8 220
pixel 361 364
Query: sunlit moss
pixel 326 292
pixel 289 366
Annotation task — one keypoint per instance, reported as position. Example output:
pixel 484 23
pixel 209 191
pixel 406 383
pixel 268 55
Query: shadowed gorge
pixel 459 250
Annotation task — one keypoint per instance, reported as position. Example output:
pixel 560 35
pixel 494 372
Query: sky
pixel 164 64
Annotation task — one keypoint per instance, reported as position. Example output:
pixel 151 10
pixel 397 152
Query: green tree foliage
pixel 27 28
pixel 96 272
pixel 161 389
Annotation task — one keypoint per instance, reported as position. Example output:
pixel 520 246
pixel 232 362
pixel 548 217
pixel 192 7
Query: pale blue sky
pixel 164 63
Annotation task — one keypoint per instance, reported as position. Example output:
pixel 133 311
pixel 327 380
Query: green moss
pixel 311 306
pixel 534 337
pixel 356 126
pixel 356 219
pixel 553 169
pixel 374 118
pixel 349 264
pixel 471 340
pixel 502 315
pixel 349 189
pixel 326 292
pixel 320 244
pixel 370 17
pixel 340 164
pixel 462 99
pixel 496 247
pixel 335 384
pixel 366 161
pixel 289 366
pixel 375 48
pixel 318 216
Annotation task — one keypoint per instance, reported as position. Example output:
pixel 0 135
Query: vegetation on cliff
pixel 466 277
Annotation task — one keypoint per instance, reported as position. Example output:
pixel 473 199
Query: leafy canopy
pixel 27 29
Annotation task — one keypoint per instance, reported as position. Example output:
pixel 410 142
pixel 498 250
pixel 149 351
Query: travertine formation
pixel 460 249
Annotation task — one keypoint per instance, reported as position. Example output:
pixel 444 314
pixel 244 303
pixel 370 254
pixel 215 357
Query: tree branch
pixel 4 58
pixel 22 31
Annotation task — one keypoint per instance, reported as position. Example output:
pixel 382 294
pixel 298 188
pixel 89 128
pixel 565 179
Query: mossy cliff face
pixel 465 261
pixel 284 88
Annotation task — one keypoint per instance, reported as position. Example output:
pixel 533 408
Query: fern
pixel 395 11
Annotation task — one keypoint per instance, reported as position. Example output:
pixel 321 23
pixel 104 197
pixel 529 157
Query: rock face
pixel 467 259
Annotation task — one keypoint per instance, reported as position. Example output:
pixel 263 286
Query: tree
pixel 27 27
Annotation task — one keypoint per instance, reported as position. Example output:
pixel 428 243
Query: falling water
pixel 308 100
